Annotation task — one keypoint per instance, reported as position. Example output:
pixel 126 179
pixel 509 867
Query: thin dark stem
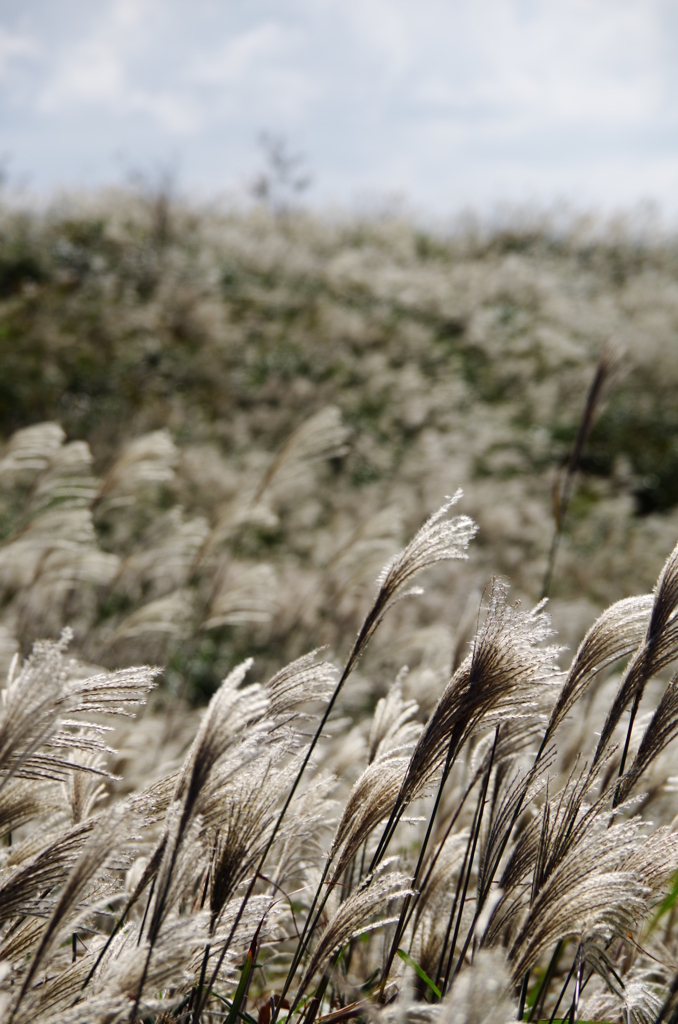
pixel 303 941
pixel 400 928
pixel 577 987
pixel 118 925
pixel 148 903
pixel 562 991
pixel 387 834
pixel 627 741
pixel 666 1005
pixel 460 882
pixel 551 564
pixel 137 998
pixel 482 896
pixel 203 971
pixel 481 808
pixel 523 995
pixel 562 491
pixel 441 844
pixel 545 981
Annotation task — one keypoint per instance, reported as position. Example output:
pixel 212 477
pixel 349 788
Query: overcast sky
pixel 450 103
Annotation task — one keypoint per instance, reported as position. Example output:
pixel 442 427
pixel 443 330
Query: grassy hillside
pixel 431 362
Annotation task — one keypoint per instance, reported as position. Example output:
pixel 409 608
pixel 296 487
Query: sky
pixel 445 104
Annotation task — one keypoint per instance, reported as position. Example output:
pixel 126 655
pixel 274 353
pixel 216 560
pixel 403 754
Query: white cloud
pixel 244 54
pixel 14 46
pixel 91 73
pixel 444 98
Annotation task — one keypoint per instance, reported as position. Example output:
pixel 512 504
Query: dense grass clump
pixel 487 858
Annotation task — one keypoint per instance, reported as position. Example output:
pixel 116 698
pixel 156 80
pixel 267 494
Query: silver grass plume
pixel 297 686
pixel 659 649
pixel 93 857
pixel 299 844
pixel 433 904
pixel 504 676
pixel 21 888
pixel 147 461
pixel 499 748
pixel 35 722
pixel 439 539
pixel 615 634
pixel 564 823
pixel 230 712
pixel 392 727
pixel 262 913
pixel 601 889
pixel 480 994
pixel 29 706
pixel 638 1003
pixel 512 792
pixel 113 990
pixel 29 452
pixel 23 800
pixel 56 994
pixel 239 819
pixel 374 793
pixel 354 917
pixel 322 436
pixel 370 802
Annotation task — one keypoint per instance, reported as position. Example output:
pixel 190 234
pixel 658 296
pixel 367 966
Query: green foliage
pixel 406 958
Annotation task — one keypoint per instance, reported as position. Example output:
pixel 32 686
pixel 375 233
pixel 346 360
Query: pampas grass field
pixel 249 768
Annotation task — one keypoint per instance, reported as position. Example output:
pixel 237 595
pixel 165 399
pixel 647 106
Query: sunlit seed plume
pixel 615 634
pixel 481 994
pixel 240 816
pixel 503 677
pixel 321 436
pixel 370 802
pixel 94 853
pixel 146 462
pixel 659 649
pixel 392 726
pixel 243 593
pixel 600 889
pixel 298 685
pixel 29 453
pixel 439 539
pixel 354 917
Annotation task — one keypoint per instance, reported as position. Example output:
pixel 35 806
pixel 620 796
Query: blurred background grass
pixel 169 518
